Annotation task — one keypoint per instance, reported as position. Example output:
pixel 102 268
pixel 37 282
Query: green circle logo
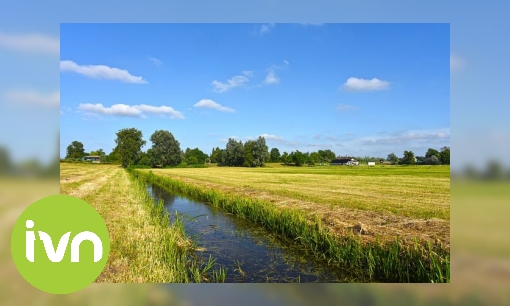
pixel 60 244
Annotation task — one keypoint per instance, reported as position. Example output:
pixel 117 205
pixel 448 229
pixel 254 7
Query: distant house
pixel 92 158
pixel 344 161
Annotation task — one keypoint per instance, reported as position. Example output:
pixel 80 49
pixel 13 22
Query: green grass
pixel 145 248
pixel 409 191
pixel 389 261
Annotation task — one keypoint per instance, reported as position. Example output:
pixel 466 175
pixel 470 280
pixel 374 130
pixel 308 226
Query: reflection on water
pixel 249 252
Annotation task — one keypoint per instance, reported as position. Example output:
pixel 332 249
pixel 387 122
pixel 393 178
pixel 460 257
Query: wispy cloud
pixel 408 138
pixel 345 107
pixel 272 137
pixel 266 28
pixel 30 97
pixel 101 72
pixel 207 103
pixel 155 61
pixel 271 78
pixel 236 81
pixel 123 110
pixel 36 43
pixel 356 84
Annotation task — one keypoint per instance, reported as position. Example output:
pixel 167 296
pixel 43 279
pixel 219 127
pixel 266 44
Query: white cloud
pixel 345 107
pixel 236 81
pixel 286 62
pixel 32 98
pixel 248 73
pixel 156 61
pixel 30 43
pixel 356 84
pixel 271 78
pixel 266 28
pixel 207 103
pixel 456 63
pixel 272 137
pixel 101 72
pixel 123 110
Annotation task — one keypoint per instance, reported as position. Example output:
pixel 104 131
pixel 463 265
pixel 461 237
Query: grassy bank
pixel 145 248
pixel 378 260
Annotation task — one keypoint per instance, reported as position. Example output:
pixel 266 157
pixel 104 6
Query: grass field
pixel 387 201
pixel 395 213
pixel 420 192
pixel 144 248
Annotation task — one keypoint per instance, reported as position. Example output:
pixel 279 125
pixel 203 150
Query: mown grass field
pixel 144 248
pixel 416 192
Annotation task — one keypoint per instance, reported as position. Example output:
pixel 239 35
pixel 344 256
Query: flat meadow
pixel 409 191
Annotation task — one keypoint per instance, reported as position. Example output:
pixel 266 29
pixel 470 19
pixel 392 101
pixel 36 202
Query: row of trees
pixel 255 153
pixel 166 151
pixel 432 157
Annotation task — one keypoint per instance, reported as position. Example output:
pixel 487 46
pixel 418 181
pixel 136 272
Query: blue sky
pixel 357 89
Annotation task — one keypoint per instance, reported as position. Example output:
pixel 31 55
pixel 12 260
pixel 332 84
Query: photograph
pixel 261 152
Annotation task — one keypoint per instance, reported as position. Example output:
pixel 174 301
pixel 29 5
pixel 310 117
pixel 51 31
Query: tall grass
pixel 172 250
pixel 393 261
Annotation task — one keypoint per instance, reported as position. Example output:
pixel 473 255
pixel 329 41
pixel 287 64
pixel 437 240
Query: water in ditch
pixel 249 252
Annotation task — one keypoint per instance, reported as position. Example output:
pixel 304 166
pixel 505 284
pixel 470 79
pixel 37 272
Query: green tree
pixel 166 150
pixel 195 156
pixel 432 152
pixel 408 158
pixel 444 155
pixel 314 158
pixel 249 159
pixel 298 158
pixel 144 159
pixel 222 158
pixel 75 150
pixel 129 143
pixel 234 153
pixel 214 155
pixel 393 158
pixel 326 156
pixel 260 152
pixel 285 158
pixel 275 155
pixel 113 157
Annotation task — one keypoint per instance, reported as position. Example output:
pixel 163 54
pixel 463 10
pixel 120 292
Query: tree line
pixel 166 152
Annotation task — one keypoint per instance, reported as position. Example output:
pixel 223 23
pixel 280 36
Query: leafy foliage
pixel 298 158
pixel 409 158
pixel 166 149
pixel 129 143
pixel 275 155
pixel 326 156
pixel 195 157
pixel 444 155
pixel 75 150
pixel 393 158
